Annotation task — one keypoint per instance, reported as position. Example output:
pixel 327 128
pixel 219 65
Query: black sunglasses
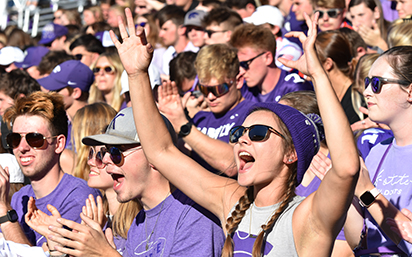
pixel 116 155
pixel 33 139
pixel 98 158
pixel 141 24
pixel 107 69
pixel 217 91
pixel 78 57
pixel 245 64
pixel 257 133
pixel 377 82
pixel 211 32
pixel 332 13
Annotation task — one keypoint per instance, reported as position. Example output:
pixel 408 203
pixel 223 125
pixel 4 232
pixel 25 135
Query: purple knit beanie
pixel 306 131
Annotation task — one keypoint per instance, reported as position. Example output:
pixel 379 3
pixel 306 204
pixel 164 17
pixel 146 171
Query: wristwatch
pixel 10 216
pixel 367 198
pixel 185 129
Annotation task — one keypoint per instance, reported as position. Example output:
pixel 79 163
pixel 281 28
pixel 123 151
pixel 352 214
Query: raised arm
pixel 322 214
pixel 217 153
pixel 205 188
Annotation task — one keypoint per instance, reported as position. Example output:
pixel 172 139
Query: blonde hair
pixel 90 120
pixel 399 34
pixel 124 217
pixel 217 61
pixel 96 95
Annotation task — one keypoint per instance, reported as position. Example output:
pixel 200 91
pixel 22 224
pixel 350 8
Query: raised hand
pixel 135 53
pixel 320 165
pixel 308 63
pixel 95 211
pixel 40 221
pixel 170 104
pixel 4 189
pixel 83 240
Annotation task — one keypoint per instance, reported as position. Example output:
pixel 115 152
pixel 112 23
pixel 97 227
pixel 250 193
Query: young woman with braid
pixel 272 150
pixel 260 211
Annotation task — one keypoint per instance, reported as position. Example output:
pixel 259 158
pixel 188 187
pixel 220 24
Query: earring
pixel 290 160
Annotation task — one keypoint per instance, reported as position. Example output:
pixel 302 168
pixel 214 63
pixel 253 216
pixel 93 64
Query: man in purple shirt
pixel 39 130
pixel 264 81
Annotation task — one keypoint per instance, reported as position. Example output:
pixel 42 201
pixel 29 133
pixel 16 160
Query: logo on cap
pixel 57 69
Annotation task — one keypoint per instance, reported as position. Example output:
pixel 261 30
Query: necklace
pixel 145 223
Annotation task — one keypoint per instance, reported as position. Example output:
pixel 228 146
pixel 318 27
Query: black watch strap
pixel 10 216
pixel 185 129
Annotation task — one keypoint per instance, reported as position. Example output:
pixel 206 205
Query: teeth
pixel 26 159
pixel 244 154
pixel 94 173
pixel 116 184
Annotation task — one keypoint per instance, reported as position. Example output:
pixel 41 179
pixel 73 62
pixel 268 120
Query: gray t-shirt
pixel 278 242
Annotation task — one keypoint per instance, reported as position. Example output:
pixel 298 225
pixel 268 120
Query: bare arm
pixel 11 231
pixel 217 153
pixel 322 214
pixel 209 190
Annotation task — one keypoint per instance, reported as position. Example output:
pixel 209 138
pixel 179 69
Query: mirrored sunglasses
pixel 332 13
pixel 98 158
pixel 33 139
pixel 257 133
pixel 217 91
pixel 377 82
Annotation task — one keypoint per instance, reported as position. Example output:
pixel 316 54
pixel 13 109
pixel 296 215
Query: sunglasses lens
pixel 78 57
pixel 99 160
pixel 332 14
pixel 258 133
pixel 235 134
pixel 367 82
pixel 376 84
pixel 35 139
pixel 115 155
pixel 108 69
pixel 13 140
pixel 221 89
pixel 96 70
pixel 320 14
pixel 244 65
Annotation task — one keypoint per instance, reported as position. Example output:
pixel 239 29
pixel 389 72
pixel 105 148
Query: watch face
pixel 367 198
pixel 13 217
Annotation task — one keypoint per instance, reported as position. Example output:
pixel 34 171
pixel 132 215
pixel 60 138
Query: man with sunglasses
pixel 71 79
pixel 217 67
pixel 170 223
pixel 332 14
pixel 219 24
pixel 264 81
pixel 87 49
pixel 38 138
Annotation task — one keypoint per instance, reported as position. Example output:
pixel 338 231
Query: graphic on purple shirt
pixel 393 180
pixel 371 137
pixel 245 242
pixel 180 228
pixel 291 24
pixel 68 197
pixel 288 82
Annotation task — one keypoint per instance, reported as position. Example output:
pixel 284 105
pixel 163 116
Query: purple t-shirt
pixel 371 137
pixel 288 82
pixel 291 24
pixel 218 127
pixel 68 197
pixel 180 228
pixel 394 182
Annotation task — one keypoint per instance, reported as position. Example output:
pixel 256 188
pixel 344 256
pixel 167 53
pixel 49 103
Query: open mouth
pixel 246 160
pixel 117 181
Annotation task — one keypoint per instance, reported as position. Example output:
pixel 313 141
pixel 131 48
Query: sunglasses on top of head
pixel 217 91
pixel 34 140
pixel 107 69
pixel 116 155
pixel 245 64
pixel 257 133
pixel 377 82
pixel 332 13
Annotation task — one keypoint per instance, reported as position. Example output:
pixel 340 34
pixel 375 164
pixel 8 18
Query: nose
pixel 211 96
pixel 106 159
pixel 23 145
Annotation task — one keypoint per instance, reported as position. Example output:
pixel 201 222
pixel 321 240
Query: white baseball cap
pixel 11 54
pixel 266 14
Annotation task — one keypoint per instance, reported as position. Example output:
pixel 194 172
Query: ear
pixel 227 35
pixel 360 51
pixel 409 90
pixel 239 82
pixel 181 30
pixel 269 59
pixel 60 144
pixel 328 64
pixel 290 158
pixel 376 13
pixel 94 57
pixel 77 93
pixel 250 8
pixel 275 30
